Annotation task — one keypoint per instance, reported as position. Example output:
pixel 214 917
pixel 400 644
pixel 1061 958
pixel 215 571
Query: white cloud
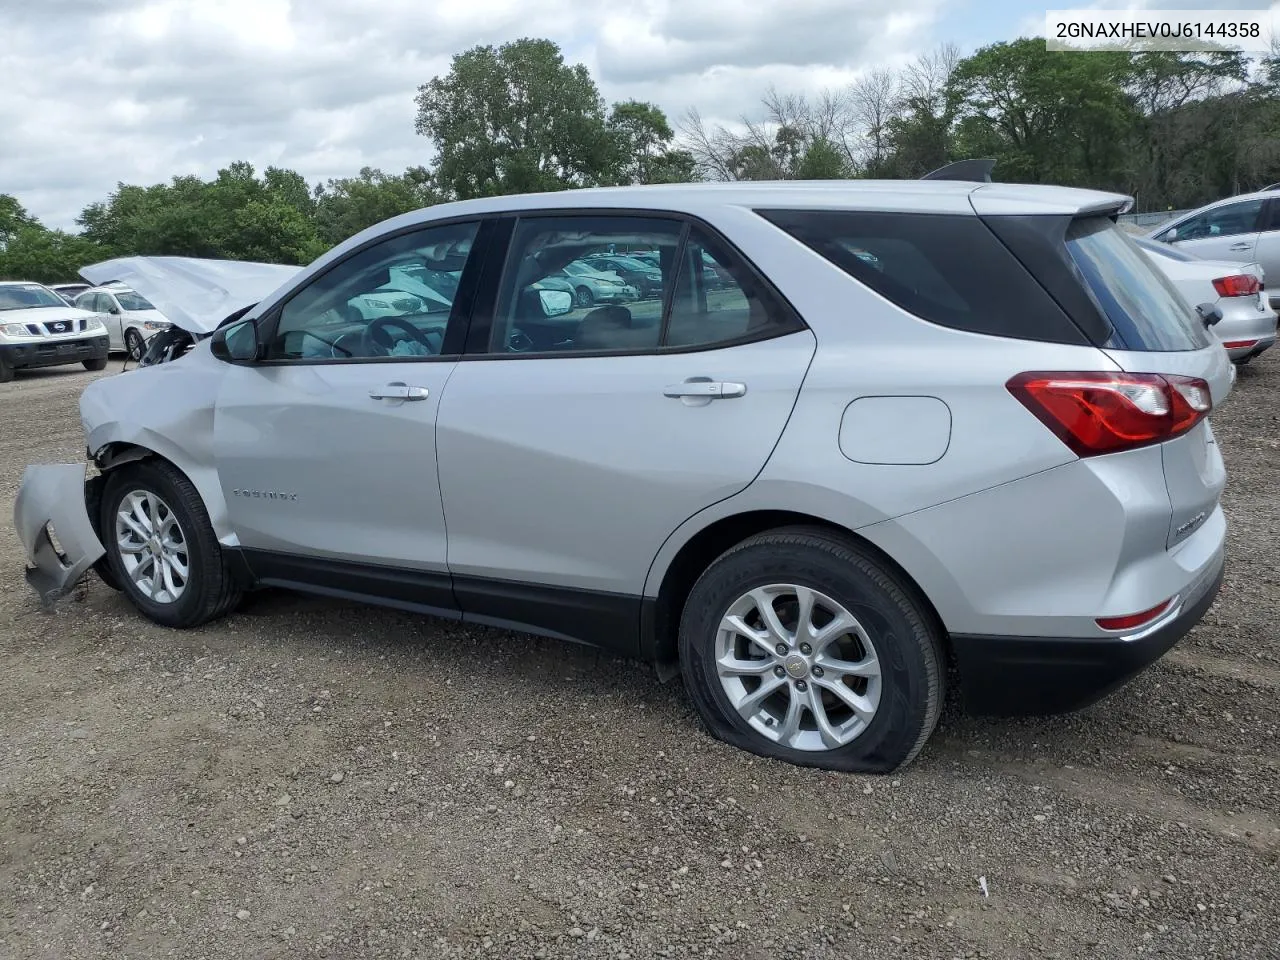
pixel 102 91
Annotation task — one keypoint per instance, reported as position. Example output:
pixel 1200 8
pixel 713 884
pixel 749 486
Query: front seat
pixel 613 328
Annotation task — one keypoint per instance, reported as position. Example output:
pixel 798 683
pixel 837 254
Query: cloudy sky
pixel 93 92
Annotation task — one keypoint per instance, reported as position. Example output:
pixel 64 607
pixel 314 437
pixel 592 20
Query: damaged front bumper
pixel 53 496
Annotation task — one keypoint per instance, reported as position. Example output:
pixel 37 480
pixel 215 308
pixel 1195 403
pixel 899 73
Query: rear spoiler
pixel 973 171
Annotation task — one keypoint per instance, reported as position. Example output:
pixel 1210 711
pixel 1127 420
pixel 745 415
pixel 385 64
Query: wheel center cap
pixel 797 667
pixel 155 548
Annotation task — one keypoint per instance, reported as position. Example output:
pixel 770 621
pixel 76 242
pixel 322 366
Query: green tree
pixel 237 216
pixel 13 217
pixel 346 206
pixel 822 160
pixel 46 256
pixel 643 143
pixel 515 118
pixel 1048 117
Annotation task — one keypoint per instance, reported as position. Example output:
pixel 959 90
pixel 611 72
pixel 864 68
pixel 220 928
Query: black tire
pixel 97 363
pixel 134 345
pixel 6 369
pixel 907 641
pixel 583 297
pixel 210 592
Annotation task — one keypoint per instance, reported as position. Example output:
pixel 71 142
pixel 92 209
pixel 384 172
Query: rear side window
pixel 1144 308
pixel 947 269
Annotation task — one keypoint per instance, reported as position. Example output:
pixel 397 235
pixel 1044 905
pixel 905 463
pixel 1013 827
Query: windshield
pixel 1145 309
pixel 23 296
pixel 131 301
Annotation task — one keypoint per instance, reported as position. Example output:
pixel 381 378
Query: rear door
pixel 1156 333
pixel 570 446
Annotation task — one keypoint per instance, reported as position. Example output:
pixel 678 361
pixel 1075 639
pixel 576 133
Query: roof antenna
pixel 970 170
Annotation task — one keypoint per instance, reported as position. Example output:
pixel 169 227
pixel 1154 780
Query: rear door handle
pixel 398 391
pixel 706 388
pixel 1239 246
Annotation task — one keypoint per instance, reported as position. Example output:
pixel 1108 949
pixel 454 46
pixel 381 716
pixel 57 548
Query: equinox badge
pixel 264 494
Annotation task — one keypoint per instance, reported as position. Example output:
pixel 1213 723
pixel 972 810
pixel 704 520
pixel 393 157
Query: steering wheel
pixel 519 342
pixel 378 342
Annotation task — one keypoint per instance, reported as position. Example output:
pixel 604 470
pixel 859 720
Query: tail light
pixel 1240 285
pixel 1095 413
pixel 1239 344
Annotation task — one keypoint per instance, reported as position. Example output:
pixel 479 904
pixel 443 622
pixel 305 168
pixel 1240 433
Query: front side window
pixel 131 301
pixel 1229 220
pixel 563 292
pixel 392 299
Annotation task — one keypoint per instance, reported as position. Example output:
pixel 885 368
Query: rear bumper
pixel 1022 676
pixel 54 493
pixel 1240 354
pixel 53 352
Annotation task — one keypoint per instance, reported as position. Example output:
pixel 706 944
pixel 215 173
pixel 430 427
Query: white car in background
pixel 130 318
pixel 1240 229
pixel 1248 324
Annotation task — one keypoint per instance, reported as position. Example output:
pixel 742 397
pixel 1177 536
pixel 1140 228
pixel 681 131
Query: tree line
pixel 1173 129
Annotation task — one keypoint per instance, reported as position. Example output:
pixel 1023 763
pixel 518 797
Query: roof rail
pixel 972 170
pixel 1274 186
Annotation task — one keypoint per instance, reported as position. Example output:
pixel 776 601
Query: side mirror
pixel 1169 235
pixel 555 303
pixel 113 310
pixel 1210 313
pixel 235 343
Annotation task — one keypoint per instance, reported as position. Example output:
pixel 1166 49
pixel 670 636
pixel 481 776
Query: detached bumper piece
pixel 53 496
pixel 1027 676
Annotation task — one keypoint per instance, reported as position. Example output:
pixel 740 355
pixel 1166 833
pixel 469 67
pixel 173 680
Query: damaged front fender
pixel 53 495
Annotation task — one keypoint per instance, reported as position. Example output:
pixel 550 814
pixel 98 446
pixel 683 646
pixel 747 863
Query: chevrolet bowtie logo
pixel 264 494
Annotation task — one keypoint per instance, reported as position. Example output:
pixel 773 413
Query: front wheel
pixel 583 297
pixel 97 363
pixel 133 344
pixel 161 548
pixel 796 644
pixel 6 368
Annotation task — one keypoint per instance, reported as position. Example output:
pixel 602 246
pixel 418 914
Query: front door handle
pixel 398 391
pixel 1239 246
pixel 706 388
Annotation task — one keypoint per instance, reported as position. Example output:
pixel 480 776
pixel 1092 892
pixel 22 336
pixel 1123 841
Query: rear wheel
pixel 798 645
pixel 133 344
pixel 161 548
pixel 97 363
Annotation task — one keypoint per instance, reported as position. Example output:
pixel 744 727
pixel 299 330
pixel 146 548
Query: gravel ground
pixel 312 778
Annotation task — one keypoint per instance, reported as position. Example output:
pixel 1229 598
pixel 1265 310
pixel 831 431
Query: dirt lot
pixel 312 778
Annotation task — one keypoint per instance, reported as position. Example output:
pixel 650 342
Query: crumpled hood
pixel 193 294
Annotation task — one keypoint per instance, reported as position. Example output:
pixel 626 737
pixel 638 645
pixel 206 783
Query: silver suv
pixel 912 423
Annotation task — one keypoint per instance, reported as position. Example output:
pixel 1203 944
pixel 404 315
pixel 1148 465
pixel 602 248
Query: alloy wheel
pixel 798 667
pixel 153 548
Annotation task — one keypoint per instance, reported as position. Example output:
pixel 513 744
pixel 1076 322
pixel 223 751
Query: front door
pixel 326 448
pixel 573 446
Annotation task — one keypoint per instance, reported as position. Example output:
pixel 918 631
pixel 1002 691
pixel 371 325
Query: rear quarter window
pixel 1145 310
pixel 950 270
